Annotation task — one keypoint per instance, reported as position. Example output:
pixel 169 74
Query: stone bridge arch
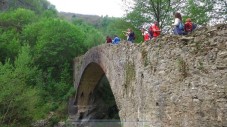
pixel 174 81
pixel 95 66
pixel 92 74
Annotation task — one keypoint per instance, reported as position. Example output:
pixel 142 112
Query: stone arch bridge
pixel 173 81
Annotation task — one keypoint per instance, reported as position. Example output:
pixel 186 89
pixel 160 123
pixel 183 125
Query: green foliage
pixel 92 36
pixel 151 10
pixel 37 6
pixel 9 44
pixel 16 19
pixel 54 40
pixel 54 44
pixel 107 26
pixel 29 93
pixel 198 12
pixel 18 100
pixel 119 25
pixel 58 90
pixel 49 14
pixel 136 17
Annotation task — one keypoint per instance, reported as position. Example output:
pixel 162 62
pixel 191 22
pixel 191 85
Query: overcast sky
pixel 112 8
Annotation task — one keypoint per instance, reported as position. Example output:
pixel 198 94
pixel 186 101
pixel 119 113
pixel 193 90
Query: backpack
pixel 181 26
pixel 156 31
pixel 193 26
pixel 133 36
pixel 188 27
pixel 146 36
pixel 150 32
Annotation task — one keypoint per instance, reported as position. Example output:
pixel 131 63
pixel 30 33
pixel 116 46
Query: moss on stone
pixel 202 68
pixel 144 57
pixel 130 74
pixel 182 68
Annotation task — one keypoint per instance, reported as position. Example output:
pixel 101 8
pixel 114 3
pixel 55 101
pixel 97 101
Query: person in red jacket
pixel 155 30
pixel 145 34
pixel 188 25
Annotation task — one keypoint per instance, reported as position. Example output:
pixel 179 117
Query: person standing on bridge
pixel 189 26
pixel 130 35
pixel 146 36
pixel 154 30
pixel 178 24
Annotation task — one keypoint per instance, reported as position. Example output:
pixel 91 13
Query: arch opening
pixel 95 100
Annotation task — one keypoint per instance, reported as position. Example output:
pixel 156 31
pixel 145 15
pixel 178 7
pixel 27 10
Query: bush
pixel 18 99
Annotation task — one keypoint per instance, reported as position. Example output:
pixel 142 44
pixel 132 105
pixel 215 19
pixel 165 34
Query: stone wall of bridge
pixel 174 81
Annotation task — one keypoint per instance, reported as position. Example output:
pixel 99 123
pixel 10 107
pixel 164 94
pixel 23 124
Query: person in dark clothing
pixel 130 35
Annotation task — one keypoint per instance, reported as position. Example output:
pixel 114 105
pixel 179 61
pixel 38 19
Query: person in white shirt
pixel 177 22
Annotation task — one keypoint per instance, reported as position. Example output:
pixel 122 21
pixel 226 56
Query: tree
pixel 38 6
pixel 11 24
pixel 198 11
pixel 9 44
pixel 154 10
pixel 53 40
pixel 92 37
pixel 54 44
pixel 19 98
pixel 17 19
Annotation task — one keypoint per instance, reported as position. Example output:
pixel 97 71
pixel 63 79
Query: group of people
pixel 179 28
pixel 130 35
pixel 116 39
pixel 152 32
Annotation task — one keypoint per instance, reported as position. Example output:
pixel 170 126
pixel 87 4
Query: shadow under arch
pixel 95 100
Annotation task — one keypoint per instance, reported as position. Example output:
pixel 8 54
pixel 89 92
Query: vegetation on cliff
pixel 37 48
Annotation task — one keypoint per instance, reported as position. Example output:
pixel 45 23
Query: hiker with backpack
pixel 189 26
pixel 178 25
pixel 154 30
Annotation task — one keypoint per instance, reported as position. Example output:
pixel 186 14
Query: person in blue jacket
pixel 116 39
